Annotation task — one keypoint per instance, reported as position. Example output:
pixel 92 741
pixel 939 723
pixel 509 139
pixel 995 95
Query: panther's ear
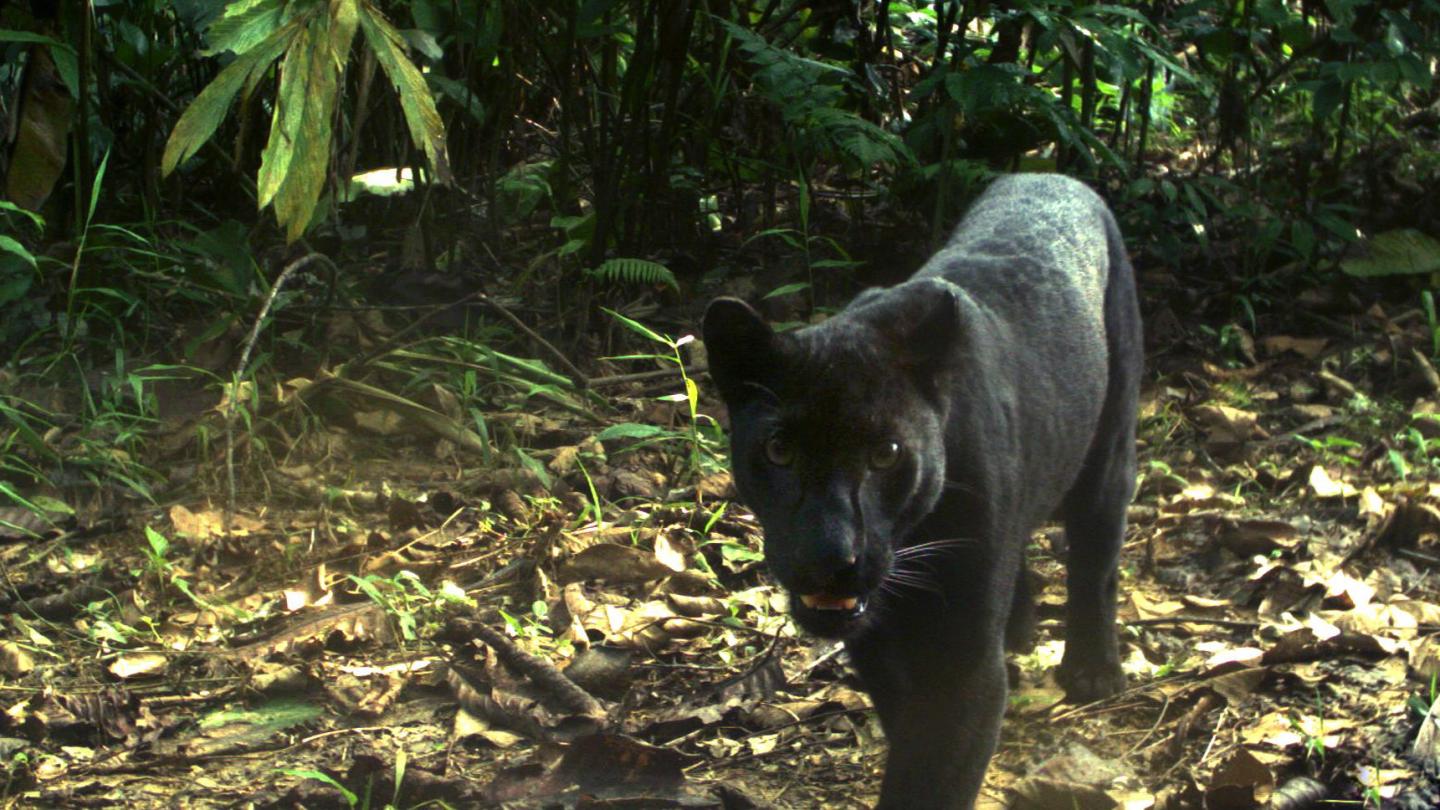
pixel 923 324
pixel 740 345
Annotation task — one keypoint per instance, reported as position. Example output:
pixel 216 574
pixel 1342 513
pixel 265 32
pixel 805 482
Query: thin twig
pixel 1234 624
pixel 239 375
pixel 642 376
pixel 581 381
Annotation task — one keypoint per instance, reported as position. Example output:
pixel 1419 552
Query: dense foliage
pixel 610 146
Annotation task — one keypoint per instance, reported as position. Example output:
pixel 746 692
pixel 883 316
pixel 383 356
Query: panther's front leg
pixel 940 701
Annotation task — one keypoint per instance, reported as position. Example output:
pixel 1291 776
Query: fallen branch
pixel 566 693
pixel 1426 369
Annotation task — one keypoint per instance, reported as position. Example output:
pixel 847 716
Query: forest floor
pixel 385 622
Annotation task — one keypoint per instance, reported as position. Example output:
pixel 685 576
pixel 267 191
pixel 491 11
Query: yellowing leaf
pixel 426 127
pixel 205 113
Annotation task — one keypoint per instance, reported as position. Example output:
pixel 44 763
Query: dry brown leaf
pixel 669 553
pixel 1234 423
pixel 1371 503
pixel 1240 783
pixel 1344 592
pixel 138 665
pixel 1247 537
pixel 565 461
pixel 468 725
pixel 612 563
pixel 695 606
pixel 1326 487
pixel 381 422
pixel 1146 608
pixel 209 523
pixel 1375 618
pixel 1237 686
pixel 15 662
pixel 1308 348
pixel 1231 656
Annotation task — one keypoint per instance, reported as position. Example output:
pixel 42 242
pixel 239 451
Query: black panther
pixel 899 455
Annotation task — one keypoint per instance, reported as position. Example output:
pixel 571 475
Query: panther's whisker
pixel 946 544
pixel 956 486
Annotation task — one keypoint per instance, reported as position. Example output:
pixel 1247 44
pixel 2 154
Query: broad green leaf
pixel 303 183
pixel 530 463
pixel 67 64
pixel 244 26
pixel 630 430
pixel 786 289
pixel 462 95
pixel 9 245
pixel 266 717
pixel 205 113
pixel 345 18
pixel 427 129
pixel 14 495
pixel 53 505
pixel 11 35
pixel 95 186
pixel 1405 251
pixel 285 133
pixel 6 205
pixel 159 543
pixel 637 327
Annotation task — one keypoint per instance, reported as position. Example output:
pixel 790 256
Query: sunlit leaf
pixel 205 113
pixel 426 128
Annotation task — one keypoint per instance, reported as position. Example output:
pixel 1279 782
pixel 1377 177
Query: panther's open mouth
pixel 828 615
pixel 820 601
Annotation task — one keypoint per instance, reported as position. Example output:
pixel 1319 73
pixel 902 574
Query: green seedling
pixel 702 433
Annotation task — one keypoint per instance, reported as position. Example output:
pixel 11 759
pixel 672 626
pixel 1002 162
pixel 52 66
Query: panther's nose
pixel 835 574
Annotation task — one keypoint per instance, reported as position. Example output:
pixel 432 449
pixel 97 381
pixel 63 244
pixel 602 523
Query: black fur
pixel 1007 372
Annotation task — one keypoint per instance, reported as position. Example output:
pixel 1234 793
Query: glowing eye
pixel 779 451
pixel 885 455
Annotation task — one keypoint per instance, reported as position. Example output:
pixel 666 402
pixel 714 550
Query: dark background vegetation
pixel 233 227
pixel 647 155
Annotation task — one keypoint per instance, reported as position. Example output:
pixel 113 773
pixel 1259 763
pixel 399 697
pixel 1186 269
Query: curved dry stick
pixel 249 346
pixel 568 695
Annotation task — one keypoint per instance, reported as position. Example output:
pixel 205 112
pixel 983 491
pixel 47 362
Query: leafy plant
pixel 635 271
pixel 350 797
pixel 311 39
pixel 405 599
pixel 701 435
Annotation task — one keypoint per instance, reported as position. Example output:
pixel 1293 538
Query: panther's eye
pixel 884 456
pixel 779 451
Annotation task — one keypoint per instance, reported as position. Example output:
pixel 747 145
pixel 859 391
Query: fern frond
pixel 635 271
pixel 861 140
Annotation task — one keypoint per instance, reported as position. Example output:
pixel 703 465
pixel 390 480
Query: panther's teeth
pixel 817 601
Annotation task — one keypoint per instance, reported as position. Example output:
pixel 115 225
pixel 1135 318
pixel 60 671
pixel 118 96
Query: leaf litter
pixel 399 619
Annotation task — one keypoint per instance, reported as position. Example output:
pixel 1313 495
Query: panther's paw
pixel 1087 680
